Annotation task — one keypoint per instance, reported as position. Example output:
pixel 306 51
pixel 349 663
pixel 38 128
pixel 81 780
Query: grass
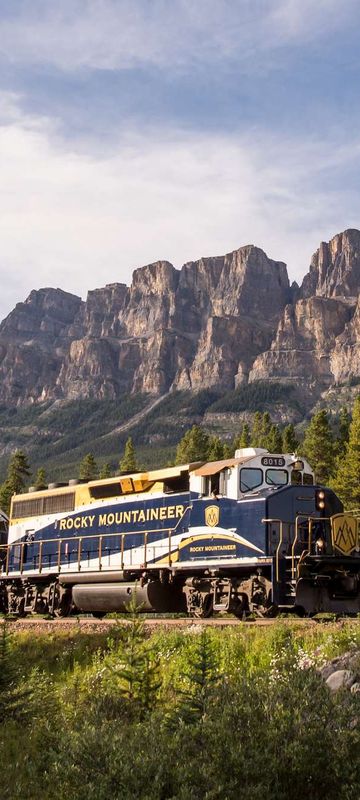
pixel 164 715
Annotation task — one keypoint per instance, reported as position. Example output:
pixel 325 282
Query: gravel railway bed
pixel 90 624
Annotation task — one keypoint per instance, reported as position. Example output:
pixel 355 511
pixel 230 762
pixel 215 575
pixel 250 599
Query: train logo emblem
pixel 344 531
pixel 212 516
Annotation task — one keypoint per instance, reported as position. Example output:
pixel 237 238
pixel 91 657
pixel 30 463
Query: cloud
pixel 79 219
pixel 121 34
pixel 308 19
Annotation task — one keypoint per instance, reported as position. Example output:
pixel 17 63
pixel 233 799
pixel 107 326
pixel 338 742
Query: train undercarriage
pixel 306 588
pixel 198 595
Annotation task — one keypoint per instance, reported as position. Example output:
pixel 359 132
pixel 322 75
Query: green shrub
pixel 247 719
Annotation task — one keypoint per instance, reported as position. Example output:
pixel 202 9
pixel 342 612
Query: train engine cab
pixel 269 518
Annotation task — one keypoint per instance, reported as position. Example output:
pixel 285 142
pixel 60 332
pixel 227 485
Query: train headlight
pixel 320 500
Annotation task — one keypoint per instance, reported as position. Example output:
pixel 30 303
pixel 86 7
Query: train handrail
pixel 297 518
pixel 312 518
pixel 58 544
pixel 306 518
pixel 281 533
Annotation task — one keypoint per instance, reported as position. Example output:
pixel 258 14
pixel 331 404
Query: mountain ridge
pixel 218 322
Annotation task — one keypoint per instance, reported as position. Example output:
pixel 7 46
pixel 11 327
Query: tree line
pixel 197 445
pixel 333 451
pixel 19 472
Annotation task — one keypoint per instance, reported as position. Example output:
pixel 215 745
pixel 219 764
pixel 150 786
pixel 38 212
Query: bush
pixel 232 713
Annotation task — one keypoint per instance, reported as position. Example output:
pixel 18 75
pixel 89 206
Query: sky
pixel 139 130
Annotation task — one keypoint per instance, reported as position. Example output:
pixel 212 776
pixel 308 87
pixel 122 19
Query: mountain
pixel 192 328
pixel 317 340
pixel 217 339
pixel 217 322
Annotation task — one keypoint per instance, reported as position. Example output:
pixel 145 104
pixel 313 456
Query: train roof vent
pixel 248 452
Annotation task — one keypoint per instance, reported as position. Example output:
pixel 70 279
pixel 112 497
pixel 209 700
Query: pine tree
pixel 344 431
pixel 228 450
pixel 6 494
pixel 347 479
pixel 136 669
pixel 18 471
pixel 319 448
pixel 256 430
pixel 216 449
pixel 105 471
pixel 244 439
pixel 194 446
pixel 128 462
pixel 202 676
pixel 274 440
pixel 290 443
pixel 40 480
pixel 88 469
pixel 265 429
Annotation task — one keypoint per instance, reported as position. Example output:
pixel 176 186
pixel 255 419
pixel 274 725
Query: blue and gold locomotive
pixel 248 534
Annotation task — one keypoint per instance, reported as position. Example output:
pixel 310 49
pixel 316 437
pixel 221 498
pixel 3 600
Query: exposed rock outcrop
pixel 317 342
pixel 216 322
pixel 197 327
pixel 335 268
pixel 342 672
pixel 33 344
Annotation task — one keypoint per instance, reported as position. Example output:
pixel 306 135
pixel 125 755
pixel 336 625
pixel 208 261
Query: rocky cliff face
pixel 335 268
pixel 317 342
pixel 33 344
pixel 216 322
pixel 200 326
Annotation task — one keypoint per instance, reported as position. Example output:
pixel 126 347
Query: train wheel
pixel 240 607
pixel 63 610
pixel 239 612
pixel 16 601
pixel 205 607
pixel 20 610
pixel 271 611
pixel 62 602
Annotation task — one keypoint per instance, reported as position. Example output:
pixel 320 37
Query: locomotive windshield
pixel 276 477
pixel 250 479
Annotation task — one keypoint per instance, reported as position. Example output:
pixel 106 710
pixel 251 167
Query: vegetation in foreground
pixel 240 712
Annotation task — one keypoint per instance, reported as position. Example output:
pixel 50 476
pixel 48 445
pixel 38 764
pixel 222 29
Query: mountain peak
pixel 335 267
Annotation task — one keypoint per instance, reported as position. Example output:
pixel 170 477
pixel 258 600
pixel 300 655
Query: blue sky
pixel 170 129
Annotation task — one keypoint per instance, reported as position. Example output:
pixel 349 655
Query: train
pixel 249 535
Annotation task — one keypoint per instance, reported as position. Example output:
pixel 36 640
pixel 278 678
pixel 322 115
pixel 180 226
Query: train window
pixel 177 484
pixel 296 476
pixel 250 479
pixel 105 490
pixel 308 479
pixel 276 477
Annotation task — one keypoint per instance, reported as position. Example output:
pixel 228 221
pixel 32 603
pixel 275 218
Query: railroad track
pixel 88 623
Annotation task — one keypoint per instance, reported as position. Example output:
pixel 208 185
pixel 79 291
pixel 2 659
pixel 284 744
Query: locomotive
pixel 250 534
